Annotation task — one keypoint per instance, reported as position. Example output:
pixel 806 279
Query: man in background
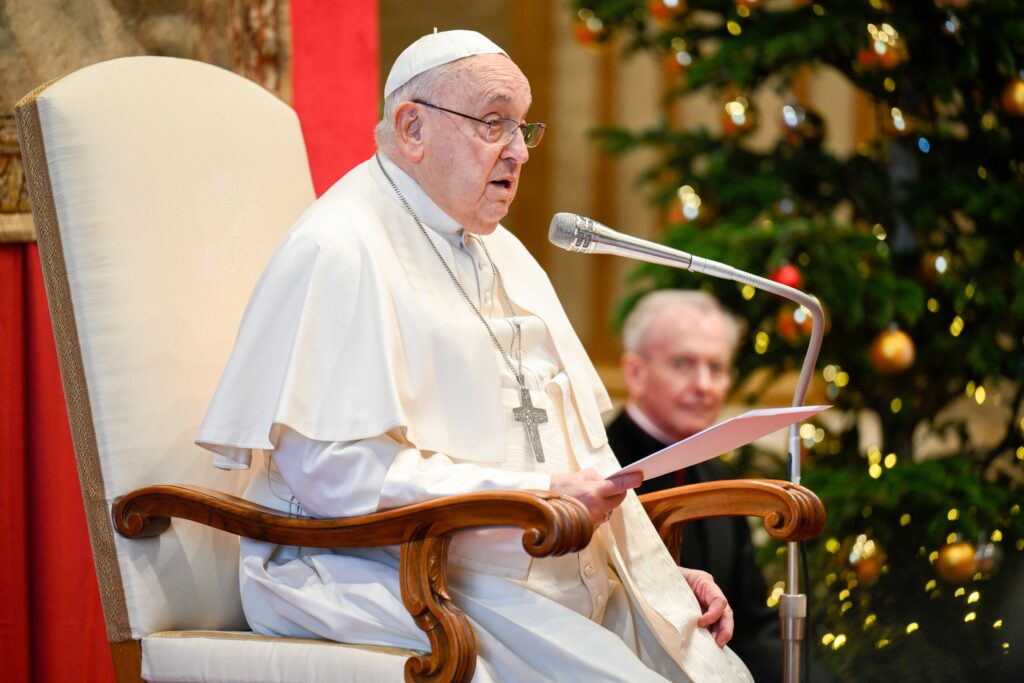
pixel 679 348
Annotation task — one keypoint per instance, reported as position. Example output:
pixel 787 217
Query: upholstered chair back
pixel 160 188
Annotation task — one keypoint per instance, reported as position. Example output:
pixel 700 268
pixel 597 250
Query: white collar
pixel 428 212
pixel 645 423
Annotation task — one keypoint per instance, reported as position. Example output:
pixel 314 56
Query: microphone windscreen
pixel 563 227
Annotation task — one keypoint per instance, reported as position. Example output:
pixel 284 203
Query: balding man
pixel 403 346
pixel 677 363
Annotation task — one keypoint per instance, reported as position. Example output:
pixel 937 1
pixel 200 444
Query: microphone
pixel 586 236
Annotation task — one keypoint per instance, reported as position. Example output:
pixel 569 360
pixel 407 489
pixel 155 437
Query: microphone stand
pixel 792 604
pixel 584 235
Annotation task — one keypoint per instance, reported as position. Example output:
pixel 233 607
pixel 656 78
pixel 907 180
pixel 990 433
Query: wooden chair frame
pixel 551 524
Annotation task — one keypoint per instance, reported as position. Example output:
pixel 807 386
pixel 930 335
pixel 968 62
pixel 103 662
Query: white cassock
pixel 361 369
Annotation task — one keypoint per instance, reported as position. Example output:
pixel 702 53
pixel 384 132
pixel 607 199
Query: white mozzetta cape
pixel 354 329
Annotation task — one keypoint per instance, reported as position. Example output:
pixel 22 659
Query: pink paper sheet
pixel 718 439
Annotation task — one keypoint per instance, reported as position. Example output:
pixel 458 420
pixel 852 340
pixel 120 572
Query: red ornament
pixel 892 351
pixel 891 57
pixel 678 60
pixel 788 275
pixel 867 57
pixel 793 324
pixel 665 9
pixel 589 29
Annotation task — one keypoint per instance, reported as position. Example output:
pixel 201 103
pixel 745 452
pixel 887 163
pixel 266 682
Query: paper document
pixel 718 439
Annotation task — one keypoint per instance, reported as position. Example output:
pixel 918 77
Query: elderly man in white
pixel 402 346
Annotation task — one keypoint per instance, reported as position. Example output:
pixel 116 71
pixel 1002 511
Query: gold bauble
pixel 892 351
pixel 1013 97
pixel 956 562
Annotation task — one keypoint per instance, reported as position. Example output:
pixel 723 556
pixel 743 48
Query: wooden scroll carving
pixel 551 524
pixel 790 511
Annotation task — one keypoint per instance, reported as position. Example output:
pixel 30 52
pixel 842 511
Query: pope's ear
pixel 409 130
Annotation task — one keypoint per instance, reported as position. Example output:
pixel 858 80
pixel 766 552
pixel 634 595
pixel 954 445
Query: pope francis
pixel 401 346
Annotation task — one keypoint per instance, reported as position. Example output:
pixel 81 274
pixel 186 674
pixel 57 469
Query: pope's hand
pixel 598 494
pixel 716 611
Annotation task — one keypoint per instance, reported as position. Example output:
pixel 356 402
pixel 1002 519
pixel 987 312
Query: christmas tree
pixel 915 247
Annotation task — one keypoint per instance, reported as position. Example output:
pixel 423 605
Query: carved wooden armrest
pixel 551 524
pixel 790 512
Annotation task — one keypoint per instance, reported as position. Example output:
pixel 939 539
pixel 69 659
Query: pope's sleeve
pixel 348 478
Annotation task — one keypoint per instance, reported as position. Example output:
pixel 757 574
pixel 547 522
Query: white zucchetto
pixel 435 49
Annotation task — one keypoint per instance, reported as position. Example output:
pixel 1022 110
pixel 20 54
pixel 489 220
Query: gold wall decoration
pixel 15 215
pixel 41 40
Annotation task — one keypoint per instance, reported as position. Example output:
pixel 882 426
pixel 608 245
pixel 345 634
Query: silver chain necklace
pixel 526 414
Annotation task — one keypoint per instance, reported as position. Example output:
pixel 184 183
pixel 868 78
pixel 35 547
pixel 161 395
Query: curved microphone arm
pixel 812 305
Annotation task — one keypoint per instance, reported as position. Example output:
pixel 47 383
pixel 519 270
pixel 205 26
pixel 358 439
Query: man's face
pixel 471 179
pixel 683 371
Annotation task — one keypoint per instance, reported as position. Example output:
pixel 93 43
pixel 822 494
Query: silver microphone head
pixel 571 232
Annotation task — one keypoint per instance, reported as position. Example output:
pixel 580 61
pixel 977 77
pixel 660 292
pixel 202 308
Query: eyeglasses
pixel 500 130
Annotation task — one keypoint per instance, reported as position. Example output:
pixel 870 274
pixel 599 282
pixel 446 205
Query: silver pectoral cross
pixel 530 417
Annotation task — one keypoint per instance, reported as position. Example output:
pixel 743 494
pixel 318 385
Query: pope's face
pixel 683 371
pixel 471 179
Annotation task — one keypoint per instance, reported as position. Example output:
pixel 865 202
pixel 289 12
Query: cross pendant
pixel 530 417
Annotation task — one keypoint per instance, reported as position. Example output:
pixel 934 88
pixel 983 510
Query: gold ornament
pixel 1013 97
pixel 866 558
pixel 892 351
pixel 957 562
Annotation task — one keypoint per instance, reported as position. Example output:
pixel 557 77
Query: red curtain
pixel 334 80
pixel 51 623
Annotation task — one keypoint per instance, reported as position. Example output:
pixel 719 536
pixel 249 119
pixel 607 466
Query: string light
pixel 690 201
pixel 761 342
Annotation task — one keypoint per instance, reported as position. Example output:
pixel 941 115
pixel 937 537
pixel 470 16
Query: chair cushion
pixel 245 657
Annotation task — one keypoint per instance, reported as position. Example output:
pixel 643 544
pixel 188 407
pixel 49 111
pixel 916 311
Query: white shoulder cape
pixel 354 330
